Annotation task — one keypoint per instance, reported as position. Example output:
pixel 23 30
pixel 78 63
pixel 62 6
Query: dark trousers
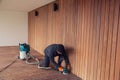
pixel 46 61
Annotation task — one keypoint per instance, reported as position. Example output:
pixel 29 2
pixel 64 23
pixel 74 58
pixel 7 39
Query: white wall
pixel 13 28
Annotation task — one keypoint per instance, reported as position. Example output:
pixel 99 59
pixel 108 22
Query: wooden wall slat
pixel 50 30
pixel 76 21
pixel 101 43
pixel 105 38
pixel 82 43
pixel 79 35
pixel 86 22
pixel 89 55
pixel 101 40
pixel 92 47
pixel 109 46
pixel 114 40
pixel 31 29
pixel 117 60
pixel 90 28
pixel 82 40
pixel 95 37
pixel 41 30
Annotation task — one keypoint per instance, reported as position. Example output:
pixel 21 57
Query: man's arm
pixel 60 59
pixel 68 66
pixel 66 58
pixel 54 63
pixel 58 67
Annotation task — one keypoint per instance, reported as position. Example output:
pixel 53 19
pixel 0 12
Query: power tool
pixel 65 71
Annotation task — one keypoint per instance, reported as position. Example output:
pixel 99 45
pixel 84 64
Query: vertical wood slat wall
pixel 91 28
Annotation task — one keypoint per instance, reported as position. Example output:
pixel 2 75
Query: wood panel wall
pixel 31 29
pixel 90 31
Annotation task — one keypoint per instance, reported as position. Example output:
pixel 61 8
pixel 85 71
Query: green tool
pixel 65 71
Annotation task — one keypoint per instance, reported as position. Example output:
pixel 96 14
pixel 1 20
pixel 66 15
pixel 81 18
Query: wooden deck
pixel 22 71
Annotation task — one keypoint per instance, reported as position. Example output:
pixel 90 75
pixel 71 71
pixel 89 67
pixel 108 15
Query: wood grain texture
pixel 31 29
pixel 41 33
pixel 89 30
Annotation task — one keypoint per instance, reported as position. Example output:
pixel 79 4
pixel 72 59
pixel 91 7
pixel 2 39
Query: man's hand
pixel 69 67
